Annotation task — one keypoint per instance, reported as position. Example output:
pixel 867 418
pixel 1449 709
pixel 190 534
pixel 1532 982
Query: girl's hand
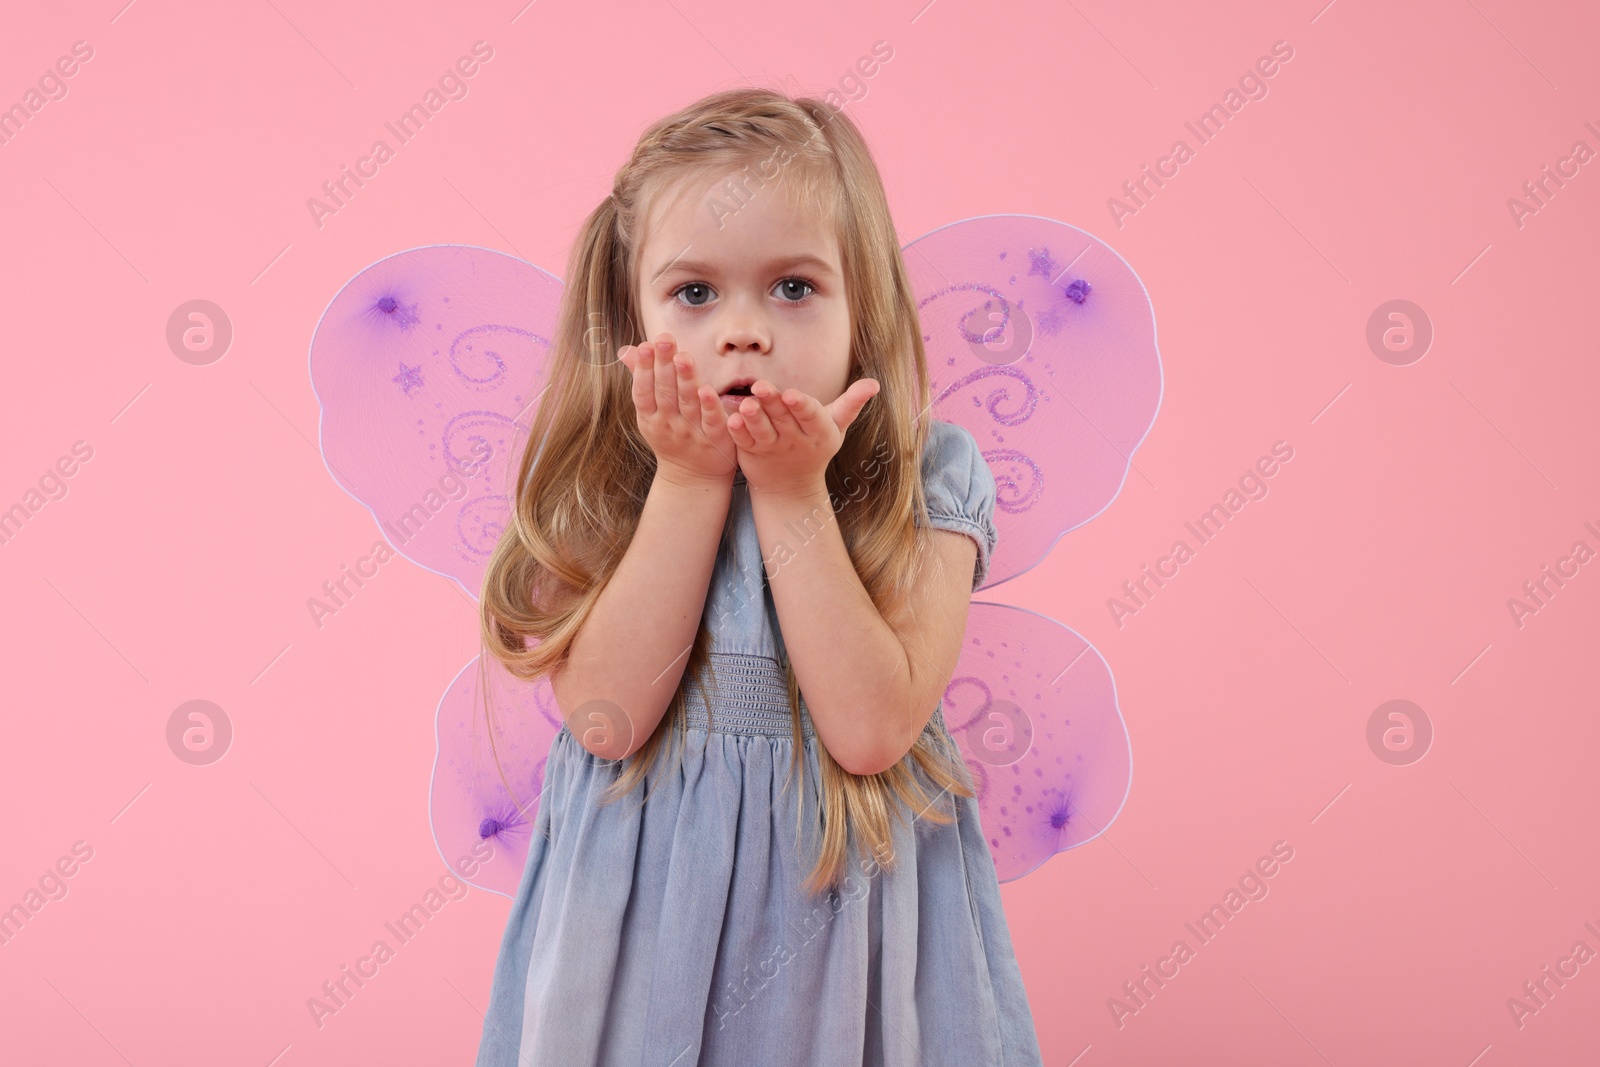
pixel 687 431
pixel 786 439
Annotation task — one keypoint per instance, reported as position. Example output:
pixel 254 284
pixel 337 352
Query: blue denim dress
pixel 673 930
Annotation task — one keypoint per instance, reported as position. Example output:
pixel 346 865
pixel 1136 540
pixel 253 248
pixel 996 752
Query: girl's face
pixel 747 292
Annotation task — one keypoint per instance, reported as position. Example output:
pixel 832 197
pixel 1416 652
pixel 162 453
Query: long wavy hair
pixel 582 489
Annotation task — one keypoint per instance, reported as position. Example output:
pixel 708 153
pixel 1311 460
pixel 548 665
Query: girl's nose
pixel 743 324
pixel 744 333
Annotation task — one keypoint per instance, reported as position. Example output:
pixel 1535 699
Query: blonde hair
pixel 581 490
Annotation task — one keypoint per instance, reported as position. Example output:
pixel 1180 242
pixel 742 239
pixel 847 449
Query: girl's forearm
pixel 630 653
pixel 851 666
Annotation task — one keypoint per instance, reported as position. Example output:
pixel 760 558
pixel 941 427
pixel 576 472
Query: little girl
pixel 743 543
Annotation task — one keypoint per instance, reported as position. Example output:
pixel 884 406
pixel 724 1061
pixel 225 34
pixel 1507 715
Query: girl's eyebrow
pixel 694 266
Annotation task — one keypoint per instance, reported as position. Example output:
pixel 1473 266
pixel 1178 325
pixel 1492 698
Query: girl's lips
pixel 731 402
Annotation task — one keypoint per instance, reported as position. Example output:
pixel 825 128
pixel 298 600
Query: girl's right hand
pixel 687 431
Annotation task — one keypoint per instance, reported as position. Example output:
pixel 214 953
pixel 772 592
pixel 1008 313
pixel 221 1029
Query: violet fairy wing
pixel 1041 343
pixel 428 365
pixel 1033 708
pixel 486 787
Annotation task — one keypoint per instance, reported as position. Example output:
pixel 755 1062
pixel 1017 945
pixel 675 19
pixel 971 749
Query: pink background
pixel 1419 499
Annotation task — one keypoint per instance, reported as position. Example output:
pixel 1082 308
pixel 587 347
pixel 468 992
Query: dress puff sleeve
pixel 960 489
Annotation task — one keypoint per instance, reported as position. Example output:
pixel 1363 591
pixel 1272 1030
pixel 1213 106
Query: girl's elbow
pixel 599 746
pixel 602 727
pixel 879 753
pixel 874 760
pixel 605 731
pixel 863 767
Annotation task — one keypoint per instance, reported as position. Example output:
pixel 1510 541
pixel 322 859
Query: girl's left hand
pixel 785 439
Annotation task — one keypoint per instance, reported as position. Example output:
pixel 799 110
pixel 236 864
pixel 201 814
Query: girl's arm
pixel 630 652
pixel 870 683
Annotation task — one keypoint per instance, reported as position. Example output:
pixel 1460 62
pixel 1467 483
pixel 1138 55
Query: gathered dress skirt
pixel 675 930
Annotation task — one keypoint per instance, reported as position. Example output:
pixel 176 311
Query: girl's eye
pixel 687 286
pixel 809 289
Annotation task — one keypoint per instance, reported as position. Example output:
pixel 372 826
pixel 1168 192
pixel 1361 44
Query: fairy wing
pixel 1041 343
pixel 428 365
